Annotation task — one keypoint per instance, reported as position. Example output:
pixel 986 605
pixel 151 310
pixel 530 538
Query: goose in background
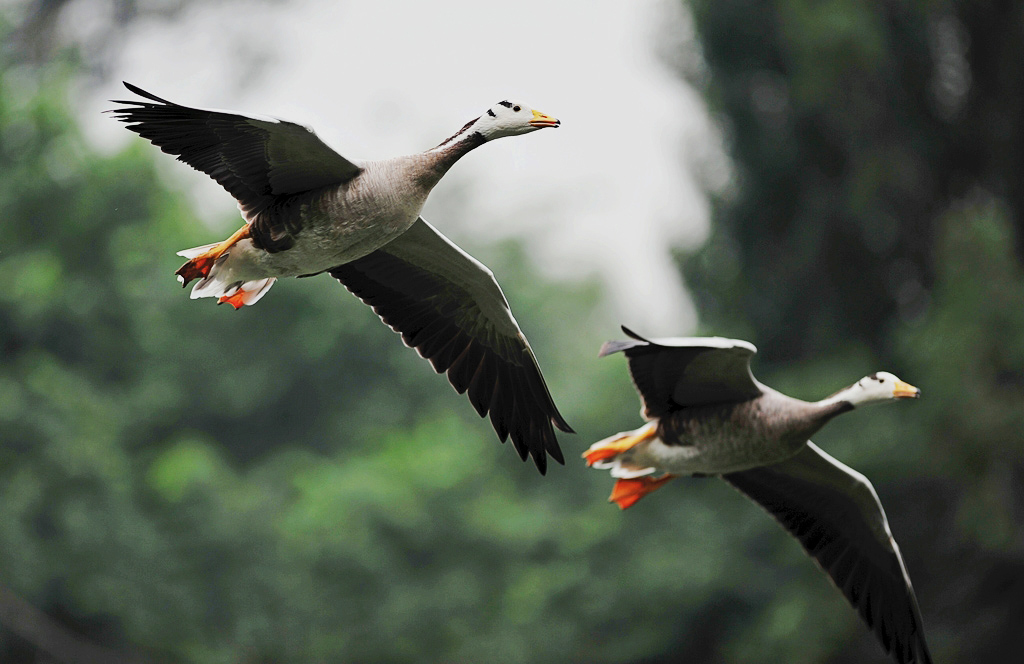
pixel 308 210
pixel 708 415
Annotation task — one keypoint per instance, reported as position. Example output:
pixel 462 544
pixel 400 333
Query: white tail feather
pixel 217 286
pixel 254 290
pixel 220 282
pixel 196 251
pixel 623 470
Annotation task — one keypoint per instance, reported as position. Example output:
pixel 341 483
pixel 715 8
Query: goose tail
pixel 216 278
pixel 633 479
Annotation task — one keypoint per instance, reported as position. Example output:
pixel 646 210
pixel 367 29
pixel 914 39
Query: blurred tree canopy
pixel 875 221
pixel 185 483
pixel 852 128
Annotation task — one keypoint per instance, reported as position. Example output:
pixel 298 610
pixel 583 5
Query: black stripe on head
pixel 491 113
pixel 506 104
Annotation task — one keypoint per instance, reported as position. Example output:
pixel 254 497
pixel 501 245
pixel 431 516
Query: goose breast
pixel 723 438
pixel 336 225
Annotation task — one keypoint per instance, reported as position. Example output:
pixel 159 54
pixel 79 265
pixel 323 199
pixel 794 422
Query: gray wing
pixel 256 159
pixel 448 306
pixel 674 373
pixel 835 513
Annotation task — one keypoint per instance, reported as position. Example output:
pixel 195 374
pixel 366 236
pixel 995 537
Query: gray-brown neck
pixel 799 418
pixel 438 160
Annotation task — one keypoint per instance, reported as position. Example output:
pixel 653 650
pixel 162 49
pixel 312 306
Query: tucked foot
pixel 237 294
pixel 202 259
pixel 196 268
pixel 613 446
pixel 628 491
pixel 236 299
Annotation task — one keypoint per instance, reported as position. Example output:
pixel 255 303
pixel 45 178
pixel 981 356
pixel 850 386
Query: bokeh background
pixel 839 182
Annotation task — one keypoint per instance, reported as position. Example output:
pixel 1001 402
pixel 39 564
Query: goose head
pixel 511 118
pixel 876 388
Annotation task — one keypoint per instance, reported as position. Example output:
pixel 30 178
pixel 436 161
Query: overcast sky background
pixel 610 192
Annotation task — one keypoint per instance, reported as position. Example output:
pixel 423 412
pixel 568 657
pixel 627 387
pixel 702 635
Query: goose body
pixel 339 223
pixel 308 210
pixel 712 439
pixel 707 415
pixel 317 230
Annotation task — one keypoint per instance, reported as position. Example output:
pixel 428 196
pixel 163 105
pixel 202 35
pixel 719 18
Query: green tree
pixel 874 221
pixel 183 482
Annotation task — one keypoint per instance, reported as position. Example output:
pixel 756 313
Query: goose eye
pixel 516 109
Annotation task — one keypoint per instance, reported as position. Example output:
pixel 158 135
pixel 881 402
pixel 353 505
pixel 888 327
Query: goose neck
pixel 821 412
pixel 802 419
pixel 433 164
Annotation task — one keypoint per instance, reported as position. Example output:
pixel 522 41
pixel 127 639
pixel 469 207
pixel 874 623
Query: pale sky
pixel 610 192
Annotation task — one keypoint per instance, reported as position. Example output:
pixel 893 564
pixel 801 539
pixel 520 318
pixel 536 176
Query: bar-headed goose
pixel 708 415
pixel 309 210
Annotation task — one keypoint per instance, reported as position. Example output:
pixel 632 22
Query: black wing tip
pixel 148 95
pixel 539 443
pixel 135 102
pixel 542 463
pixel 630 333
pixel 915 652
pixel 540 455
pixel 528 445
pixel 907 648
pixel 561 424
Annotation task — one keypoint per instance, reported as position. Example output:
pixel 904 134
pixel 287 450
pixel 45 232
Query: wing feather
pixel 449 308
pixel 258 160
pixel 835 513
pixel 674 373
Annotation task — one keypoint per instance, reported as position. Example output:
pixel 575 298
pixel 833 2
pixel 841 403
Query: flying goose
pixel 708 415
pixel 308 210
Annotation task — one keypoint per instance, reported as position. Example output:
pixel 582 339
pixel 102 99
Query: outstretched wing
pixel 674 373
pixel 834 512
pixel 256 159
pixel 448 306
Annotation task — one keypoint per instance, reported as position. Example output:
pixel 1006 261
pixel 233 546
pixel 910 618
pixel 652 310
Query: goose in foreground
pixel 708 415
pixel 308 210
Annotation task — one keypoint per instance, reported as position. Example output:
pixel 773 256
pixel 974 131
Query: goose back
pixel 675 373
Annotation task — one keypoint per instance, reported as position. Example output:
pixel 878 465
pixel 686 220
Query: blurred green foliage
pixel 290 484
pixel 875 221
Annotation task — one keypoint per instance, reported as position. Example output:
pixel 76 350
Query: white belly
pixel 713 450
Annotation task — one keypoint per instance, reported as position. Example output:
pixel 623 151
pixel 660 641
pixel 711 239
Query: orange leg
pixel 615 445
pixel 627 492
pixel 199 266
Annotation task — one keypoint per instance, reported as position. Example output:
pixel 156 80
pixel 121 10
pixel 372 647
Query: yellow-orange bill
pixel 544 120
pixel 905 391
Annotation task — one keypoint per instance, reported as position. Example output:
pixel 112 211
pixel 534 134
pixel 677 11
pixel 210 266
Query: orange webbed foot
pixel 628 491
pixel 202 259
pixel 196 268
pixel 236 299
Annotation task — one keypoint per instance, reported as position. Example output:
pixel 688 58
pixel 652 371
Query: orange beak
pixel 905 391
pixel 541 120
